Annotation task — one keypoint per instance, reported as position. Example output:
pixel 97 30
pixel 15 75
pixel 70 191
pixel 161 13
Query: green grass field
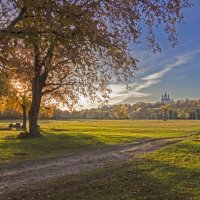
pixel 60 137
pixel 170 173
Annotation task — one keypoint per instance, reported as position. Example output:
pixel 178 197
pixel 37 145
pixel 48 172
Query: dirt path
pixel 13 176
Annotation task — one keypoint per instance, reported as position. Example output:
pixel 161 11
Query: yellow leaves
pixel 2 104
pixel 93 35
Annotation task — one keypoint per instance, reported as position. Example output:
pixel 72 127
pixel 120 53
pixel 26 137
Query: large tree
pixel 68 48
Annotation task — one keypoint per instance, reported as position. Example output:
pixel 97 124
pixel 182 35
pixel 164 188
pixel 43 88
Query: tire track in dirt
pixel 13 176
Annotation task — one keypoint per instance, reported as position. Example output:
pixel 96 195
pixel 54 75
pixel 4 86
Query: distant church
pixel 166 99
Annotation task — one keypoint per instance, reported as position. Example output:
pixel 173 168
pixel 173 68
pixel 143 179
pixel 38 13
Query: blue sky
pixel 174 70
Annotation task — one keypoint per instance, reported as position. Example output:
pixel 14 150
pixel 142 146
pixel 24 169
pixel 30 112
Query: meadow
pixel 171 172
pixel 61 137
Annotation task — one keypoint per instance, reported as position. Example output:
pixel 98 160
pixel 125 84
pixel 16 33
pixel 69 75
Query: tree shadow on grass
pixel 189 147
pixel 164 181
pixel 137 180
pixel 104 136
pixel 44 148
pixel 147 179
pixel 143 179
pixel 50 145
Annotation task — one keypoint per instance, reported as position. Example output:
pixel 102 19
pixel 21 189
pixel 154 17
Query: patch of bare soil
pixel 13 176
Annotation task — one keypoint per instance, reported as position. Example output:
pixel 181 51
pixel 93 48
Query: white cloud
pixel 179 61
pixel 120 92
pixel 134 93
pixel 147 84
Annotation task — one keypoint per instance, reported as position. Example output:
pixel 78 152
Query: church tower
pixel 166 98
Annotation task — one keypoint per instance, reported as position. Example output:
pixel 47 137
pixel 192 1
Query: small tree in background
pixel 15 95
pixel 164 110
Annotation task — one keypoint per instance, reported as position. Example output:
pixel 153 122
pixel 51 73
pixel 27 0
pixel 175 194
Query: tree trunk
pixel 164 116
pixel 38 83
pixel 24 117
pixel 34 130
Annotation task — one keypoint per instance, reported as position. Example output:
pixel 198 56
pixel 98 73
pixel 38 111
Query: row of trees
pixel 64 49
pixel 182 109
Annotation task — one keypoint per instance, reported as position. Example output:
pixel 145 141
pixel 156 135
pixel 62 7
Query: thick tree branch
pixel 58 85
pixel 16 20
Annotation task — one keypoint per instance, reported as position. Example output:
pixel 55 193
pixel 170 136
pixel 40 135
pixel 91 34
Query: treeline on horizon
pixel 181 109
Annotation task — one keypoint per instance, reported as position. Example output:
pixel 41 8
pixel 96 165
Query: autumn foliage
pixel 70 48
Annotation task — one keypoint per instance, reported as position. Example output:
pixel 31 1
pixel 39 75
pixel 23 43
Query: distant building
pixel 166 99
